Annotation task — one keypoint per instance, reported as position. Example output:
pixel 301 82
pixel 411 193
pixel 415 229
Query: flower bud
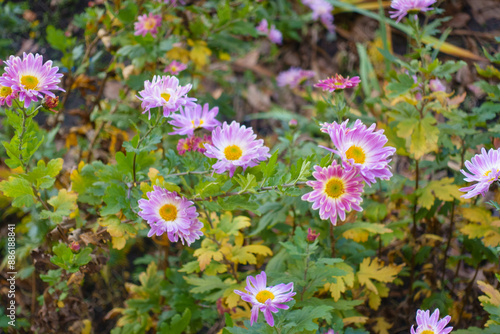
pixel 75 247
pixel 293 123
pixel 50 103
pixel 311 235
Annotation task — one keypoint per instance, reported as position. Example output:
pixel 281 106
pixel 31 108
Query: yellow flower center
pixel 428 331
pixel 335 188
pixel 173 68
pixel 168 212
pixel 338 83
pixel 29 81
pixel 150 24
pixel 263 296
pixel 200 123
pixel 488 173
pixel 5 91
pixel 165 96
pixel 233 152
pixel 356 153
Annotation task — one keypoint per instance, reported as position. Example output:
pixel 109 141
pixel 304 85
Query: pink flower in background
pixel 265 299
pixel 235 146
pixel 362 149
pixel 437 86
pixel 404 7
pixel 322 10
pixel 263 27
pixel 175 67
pixel 273 34
pixel 165 92
pixel 6 95
pixel 191 118
pixel 335 191
pixel 294 77
pixel 338 82
pixel 167 212
pixel 484 169
pixel 200 144
pixel 431 324
pixel 147 23
pixel 29 79
pixel 174 2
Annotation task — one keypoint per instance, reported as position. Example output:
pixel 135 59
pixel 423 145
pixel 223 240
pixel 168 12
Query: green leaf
pixel 115 199
pixel 43 176
pixel 402 85
pixel 20 190
pixel 128 13
pixel 178 324
pixel 300 320
pixel 64 203
pixel 66 259
pixel 56 38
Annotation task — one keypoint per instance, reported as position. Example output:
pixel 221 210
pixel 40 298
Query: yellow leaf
pixel 382 326
pixel 482 227
pixel 360 231
pixel 208 251
pixel 342 282
pixel 87 327
pixel 177 53
pixel 199 52
pixel 246 254
pixel 424 138
pixel 354 320
pixel 369 270
pixel 442 189
pixel 374 299
pixel 492 295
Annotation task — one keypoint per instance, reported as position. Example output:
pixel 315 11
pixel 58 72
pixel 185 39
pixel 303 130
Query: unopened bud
pixel 293 123
pixel 50 103
pixel 311 235
pixel 75 246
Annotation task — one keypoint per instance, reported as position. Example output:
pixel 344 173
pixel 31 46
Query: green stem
pixel 139 144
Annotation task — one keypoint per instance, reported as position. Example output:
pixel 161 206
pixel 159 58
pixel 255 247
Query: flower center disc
pixel 165 96
pixel 334 188
pixel 29 81
pixel 5 91
pixel 428 331
pixel 263 296
pixel 356 153
pixel 168 212
pixel 173 68
pixel 150 24
pixel 233 152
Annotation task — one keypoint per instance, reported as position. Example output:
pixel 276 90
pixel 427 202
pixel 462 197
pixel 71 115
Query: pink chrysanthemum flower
pixel 338 82
pixel 294 77
pixel 167 212
pixel 175 67
pixel 266 299
pixel 321 10
pixel 330 331
pixel 184 145
pixel 484 169
pixel 6 95
pixel 273 34
pixel 200 144
pixel 404 7
pixel 30 79
pixel 192 118
pixel 361 148
pixel 335 191
pixel 263 27
pixel 437 86
pixel 147 23
pixel 165 92
pixel 235 146
pixel 431 324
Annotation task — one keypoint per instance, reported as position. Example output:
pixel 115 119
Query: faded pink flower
pixel 175 67
pixel 404 7
pixel 338 82
pixel 147 24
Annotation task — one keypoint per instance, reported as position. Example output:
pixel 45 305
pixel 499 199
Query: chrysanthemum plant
pixel 326 226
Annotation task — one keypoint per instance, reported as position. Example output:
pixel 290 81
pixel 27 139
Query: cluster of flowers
pixel 268 299
pixel 272 33
pixel 322 10
pixel 28 79
pixel 364 156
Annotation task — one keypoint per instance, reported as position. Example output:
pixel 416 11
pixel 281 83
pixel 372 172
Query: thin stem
pixel 450 236
pixel 332 240
pixel 305 273
pixel 140 142
pixel 260 190
pixel 188 173
pixel 414 230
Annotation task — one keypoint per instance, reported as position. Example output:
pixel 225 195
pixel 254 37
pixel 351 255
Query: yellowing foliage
pixel 342 282
pixel 483 226
pixel 199 52
pixel 375 269
pixel 492 295
pixel 443 189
